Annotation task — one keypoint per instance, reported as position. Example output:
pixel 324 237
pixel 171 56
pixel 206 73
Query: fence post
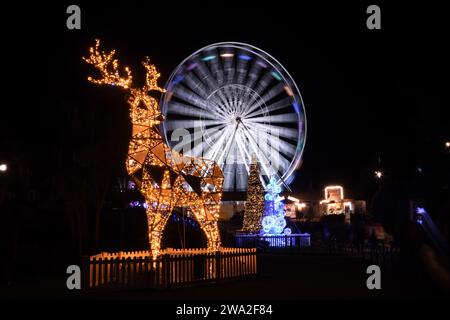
pixel 164 271
pixel 218 265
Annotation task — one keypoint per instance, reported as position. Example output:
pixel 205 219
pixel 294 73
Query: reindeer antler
pixel 108 68
pixel 151 76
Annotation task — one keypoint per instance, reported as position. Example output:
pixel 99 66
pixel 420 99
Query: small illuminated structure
pixel 3 167
pixel 447 144
pixel 334 202
pixel 274 231
pixel 293 207
pixel 273 222
pixel 165 178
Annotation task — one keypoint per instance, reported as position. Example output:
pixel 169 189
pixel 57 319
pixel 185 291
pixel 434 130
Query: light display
pixel 334 193
pixel 241 101
pixel 254 206
pixel 166 178
pixel 273 221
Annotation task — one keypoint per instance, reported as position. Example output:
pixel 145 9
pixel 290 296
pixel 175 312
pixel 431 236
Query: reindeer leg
pixel 209 226
pixel 157 220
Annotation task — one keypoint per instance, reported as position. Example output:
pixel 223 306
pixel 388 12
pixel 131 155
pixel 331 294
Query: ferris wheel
pixel 234 103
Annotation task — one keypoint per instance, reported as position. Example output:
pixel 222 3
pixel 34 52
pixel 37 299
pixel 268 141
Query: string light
pixel 164 177
pixel 274 221
pixel 108 67
pixel 254 206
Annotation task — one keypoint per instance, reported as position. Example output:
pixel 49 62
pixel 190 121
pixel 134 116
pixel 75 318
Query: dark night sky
pixel 367 93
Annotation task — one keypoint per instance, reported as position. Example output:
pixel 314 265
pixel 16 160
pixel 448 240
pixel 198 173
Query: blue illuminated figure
pixel 273 221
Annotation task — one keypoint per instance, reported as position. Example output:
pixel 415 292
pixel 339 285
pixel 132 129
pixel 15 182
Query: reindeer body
pixel 166 178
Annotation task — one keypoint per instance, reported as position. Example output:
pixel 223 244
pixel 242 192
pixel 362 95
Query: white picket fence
pixel 175 267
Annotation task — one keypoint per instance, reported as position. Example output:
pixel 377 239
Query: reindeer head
pixel 143 107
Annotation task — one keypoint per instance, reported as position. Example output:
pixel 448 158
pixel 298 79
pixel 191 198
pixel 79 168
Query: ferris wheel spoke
pixel 279 118
pixel 191 111
pixel 284 132
pixel 212 153
pixel 270 94
pixel 229 71
pixel 189 124
pixel 264 83
pixel 218 107
pixel 216 71
pixel 228 146
pixel 246 158
pixel 211 134
pixel 253 76
pixel 280 104
pixel 223 100
pixel 243 149
pixel 261 157
pixel 190 97
pixel 242 68
pixel 192 82
pixel 270 151
pixel 287 148
pixel 203 146
pixel 206 76
pixel 229 173
pixel 270 144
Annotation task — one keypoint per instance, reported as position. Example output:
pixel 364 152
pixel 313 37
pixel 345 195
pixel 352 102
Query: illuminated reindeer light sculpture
pixel 166 178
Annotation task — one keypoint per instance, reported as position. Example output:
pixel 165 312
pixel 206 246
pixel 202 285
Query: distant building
pixel 308 206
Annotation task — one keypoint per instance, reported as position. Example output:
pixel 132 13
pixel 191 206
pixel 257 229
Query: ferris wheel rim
pixel 297 159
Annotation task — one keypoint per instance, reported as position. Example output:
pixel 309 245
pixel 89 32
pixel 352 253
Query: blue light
pixel 295 104
pixel 420 210
pixel 208 58
pixel 273 222
pixel 131 185
pixel 268 197
pixel 244 57
pixel 276 76
pixel 178 79
pixel 137 204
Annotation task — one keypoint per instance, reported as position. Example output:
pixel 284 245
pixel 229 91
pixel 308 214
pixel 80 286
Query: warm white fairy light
pixel 147 154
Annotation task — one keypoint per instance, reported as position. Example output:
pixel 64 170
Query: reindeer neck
pixel 145 116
